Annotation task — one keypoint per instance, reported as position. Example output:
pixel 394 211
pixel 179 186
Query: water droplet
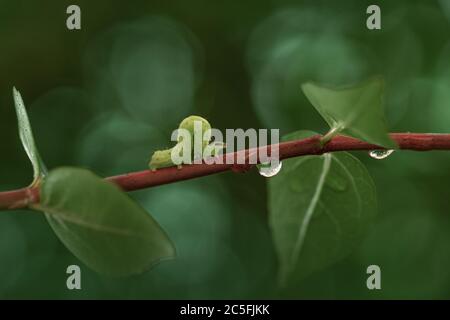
pixel 380 154
pixel 266 170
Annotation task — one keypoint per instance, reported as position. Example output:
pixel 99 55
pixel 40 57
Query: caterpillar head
pixel 193 123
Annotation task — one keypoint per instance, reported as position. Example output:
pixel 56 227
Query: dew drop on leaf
pixel 380 154
pixel 267 170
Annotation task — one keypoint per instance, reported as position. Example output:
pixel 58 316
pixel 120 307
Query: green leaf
pixel 320 207
pixel 354 111
pixel 100 224
pixel 26 136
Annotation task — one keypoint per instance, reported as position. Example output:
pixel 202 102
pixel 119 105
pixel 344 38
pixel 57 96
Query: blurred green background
pixel 106 96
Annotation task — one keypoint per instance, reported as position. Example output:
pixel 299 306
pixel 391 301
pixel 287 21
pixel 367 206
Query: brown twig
pixel 22 198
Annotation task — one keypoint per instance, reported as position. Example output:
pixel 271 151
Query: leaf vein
pixel 310 210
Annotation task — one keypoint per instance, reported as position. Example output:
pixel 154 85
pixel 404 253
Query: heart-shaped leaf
pixel 319 208
pixel 354 111
pixel 26 136
pixel 100 224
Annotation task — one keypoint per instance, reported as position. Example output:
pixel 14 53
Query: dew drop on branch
pixel 380 154
pixel 267 170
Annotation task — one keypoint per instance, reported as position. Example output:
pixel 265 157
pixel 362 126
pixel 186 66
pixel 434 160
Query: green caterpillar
pixel 163 158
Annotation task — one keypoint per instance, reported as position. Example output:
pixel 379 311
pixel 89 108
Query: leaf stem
pixel 23 198
pixel 330 134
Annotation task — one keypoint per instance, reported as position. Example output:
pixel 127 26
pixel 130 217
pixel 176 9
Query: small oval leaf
pixel 26 136
pixel 320 207
pixel 100 224
pixel 356 111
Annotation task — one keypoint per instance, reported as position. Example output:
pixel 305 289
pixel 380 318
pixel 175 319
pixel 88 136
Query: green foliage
pixel 100 224
pixel 26 136
pixel 97 221
pixel 356 111
pixel 320 207
pixel 123 88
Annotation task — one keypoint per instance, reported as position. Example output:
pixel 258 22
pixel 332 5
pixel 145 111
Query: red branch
pixel 22 198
